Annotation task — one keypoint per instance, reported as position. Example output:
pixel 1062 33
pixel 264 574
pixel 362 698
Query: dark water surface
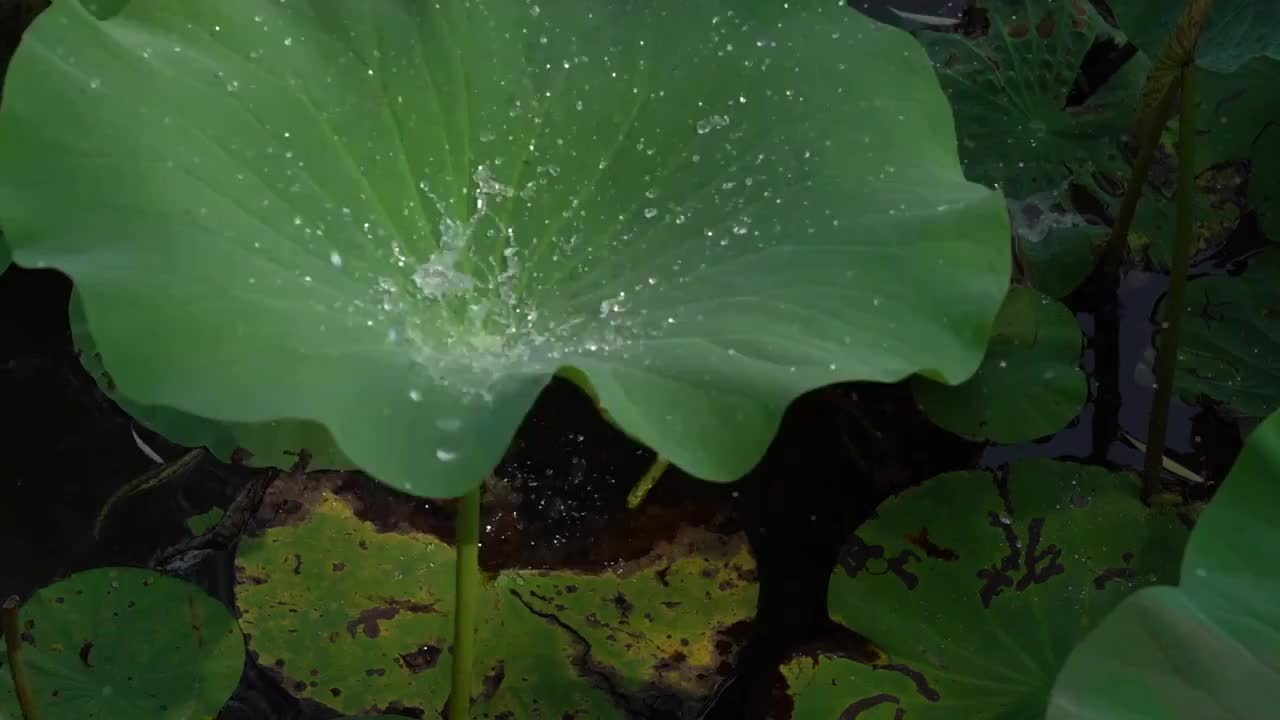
pixel 841 450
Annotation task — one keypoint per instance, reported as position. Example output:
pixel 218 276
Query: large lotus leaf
pixel 124 642
pixel 1230 349
pixel 275 442
pixel 977 587
pixel 1209 648
pixel 1030 384
pixel 399 219
pixel 1010 85
pixel 359 617
pixel 1237 30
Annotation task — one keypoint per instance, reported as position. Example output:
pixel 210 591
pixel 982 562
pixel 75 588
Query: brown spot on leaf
pixel 338 567
pixel 623 606
pixel 923 687
pixel 931 549
pixel 1116 574
pixel 1018 29
pixel 368 619
pixel 856 709
pixel 424 658
pixel 492 681
pixel 85 649
pixel 1045 27
pixel 375 672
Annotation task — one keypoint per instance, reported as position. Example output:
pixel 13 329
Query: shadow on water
pixel 840 451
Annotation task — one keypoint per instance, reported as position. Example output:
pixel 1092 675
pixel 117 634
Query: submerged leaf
pixel 1209 648
pixel 1030 383
pixel 975 588
pixel 121 642
pixel 398 220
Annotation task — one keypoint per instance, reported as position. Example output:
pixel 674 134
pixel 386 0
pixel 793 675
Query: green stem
pixel 647 481
pixel 467 599
pixel 1149 131
pixel 10 624
pixel 1175 300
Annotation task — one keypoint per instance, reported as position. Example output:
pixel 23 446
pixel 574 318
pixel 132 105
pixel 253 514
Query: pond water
pixel 840 451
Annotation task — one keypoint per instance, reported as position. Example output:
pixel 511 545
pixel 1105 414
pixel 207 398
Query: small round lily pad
pixel 122 642
pixel 1029 385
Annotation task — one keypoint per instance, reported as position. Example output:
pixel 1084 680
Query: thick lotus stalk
pixel 467 600
pixel 17 667
pixel 1179 51
pixel 1157 99
pixel 1175 300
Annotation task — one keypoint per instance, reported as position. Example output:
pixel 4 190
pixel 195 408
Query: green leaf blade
pixel 1210 647
pixel 399 221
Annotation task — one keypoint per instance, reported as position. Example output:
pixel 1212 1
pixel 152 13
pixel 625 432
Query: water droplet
pixel 651 213
pixel 415 396
pixel 713 122
pixel 95 83
pixel 446 455
pixel 335 259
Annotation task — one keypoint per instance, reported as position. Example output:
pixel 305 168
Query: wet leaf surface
pixel 975 588
pixel 1210 647
pixel 358 616
pixel 121 642
pixel 1030 383
pixel 397 221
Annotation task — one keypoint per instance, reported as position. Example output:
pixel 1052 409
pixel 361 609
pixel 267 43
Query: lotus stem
pixel 647 481
pixel 1175 300
pixel 467 600
pixel 1150 126
pixel 11 626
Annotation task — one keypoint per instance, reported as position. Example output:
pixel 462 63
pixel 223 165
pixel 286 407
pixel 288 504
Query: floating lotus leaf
pixel 975 588
pixel 359 617
pixel 122 642
pixel 1009 87
pixel 1237 30
pixel 1030 383
pixel 1230 349
pixel 397 220
pixel 1210 647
